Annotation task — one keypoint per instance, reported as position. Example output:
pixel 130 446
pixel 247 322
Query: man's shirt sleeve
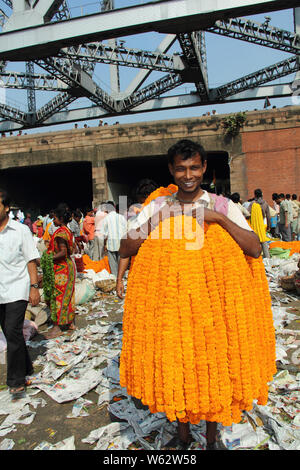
pixel 29 249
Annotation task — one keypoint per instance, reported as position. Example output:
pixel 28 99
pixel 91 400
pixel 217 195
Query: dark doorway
pixel 42 187
pixel 124 174
pixel 217 175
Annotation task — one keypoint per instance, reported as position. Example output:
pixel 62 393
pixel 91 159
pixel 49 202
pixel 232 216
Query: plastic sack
pixel 30 329
pixel 84 292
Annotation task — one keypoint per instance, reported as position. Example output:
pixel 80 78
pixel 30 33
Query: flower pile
pixel 198 335
pixel 96 266
pixel 294 246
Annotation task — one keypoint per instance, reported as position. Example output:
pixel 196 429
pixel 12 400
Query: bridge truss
pixel 60 51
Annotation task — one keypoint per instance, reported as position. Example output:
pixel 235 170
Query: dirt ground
pixel 50 423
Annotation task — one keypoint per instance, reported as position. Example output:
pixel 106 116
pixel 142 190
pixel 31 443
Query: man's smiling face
pixel 188 174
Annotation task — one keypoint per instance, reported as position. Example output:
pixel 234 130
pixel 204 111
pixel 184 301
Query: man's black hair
pixel 186 149
pixel 294 197
pixel 281 196
pixel 274 196
pixel 5 198
pixel 63 213
pixel 235 197
pixel 77 214
pixel 145 187
pixel 258 193
pixel 287 196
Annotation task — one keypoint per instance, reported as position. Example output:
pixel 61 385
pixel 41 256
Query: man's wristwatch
pixel 36 286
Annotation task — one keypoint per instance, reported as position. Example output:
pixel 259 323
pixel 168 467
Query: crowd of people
pixel 280 220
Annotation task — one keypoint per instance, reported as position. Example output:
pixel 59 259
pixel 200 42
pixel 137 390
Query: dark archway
pixel 40 188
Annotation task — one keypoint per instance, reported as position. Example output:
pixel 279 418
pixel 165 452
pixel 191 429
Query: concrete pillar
pixel 99 176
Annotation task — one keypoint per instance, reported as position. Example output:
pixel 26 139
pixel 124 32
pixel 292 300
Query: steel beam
pixel 47 8
pixel 262 34
pixel 169 102
pixel 120 55
pixel 155 89
pixel 167 16
pixel 156 104
pixel 194 60
pixel 79 82
pixel 13 114
pixel 53 106
pixel 253 80
pixel 43 82
pixel 31 98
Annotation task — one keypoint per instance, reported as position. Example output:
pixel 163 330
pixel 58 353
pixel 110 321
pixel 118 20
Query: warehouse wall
pixel 265 154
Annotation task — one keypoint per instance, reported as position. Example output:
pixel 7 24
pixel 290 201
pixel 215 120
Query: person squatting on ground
pixel 198 335
pixel 18 285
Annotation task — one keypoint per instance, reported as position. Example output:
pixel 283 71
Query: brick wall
pixel 272 160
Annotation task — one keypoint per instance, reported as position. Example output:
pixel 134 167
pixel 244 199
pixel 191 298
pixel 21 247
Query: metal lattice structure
pixel 61 51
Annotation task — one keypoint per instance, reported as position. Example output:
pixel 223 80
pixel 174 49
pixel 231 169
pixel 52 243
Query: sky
pixel 228 59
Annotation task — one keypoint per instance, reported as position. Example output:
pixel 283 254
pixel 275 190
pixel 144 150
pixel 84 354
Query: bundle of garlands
pixel 198 334
pixel 49 282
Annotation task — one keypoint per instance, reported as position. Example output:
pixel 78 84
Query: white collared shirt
pixel 17 248
pixel 113 228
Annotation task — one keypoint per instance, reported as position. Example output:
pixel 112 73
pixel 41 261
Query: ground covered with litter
pixel 74 400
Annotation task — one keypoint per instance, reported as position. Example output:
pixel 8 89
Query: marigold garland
pixel 198 334
pixel 293 246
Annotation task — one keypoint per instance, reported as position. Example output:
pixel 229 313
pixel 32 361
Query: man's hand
pixel 34 296
pixel 120 288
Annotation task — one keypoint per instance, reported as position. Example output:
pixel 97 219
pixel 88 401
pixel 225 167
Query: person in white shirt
pixel 98 237
pixel 113 228
pixel 235 197
pixel 18 285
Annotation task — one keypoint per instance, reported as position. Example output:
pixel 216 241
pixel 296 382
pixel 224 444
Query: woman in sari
pixel 59 290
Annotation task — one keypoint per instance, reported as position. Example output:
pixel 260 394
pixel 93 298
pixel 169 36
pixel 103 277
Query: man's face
pixel 188 174
pixel 3 211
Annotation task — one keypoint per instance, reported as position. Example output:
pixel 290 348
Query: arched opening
pixel 123 174
pixel 42 187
